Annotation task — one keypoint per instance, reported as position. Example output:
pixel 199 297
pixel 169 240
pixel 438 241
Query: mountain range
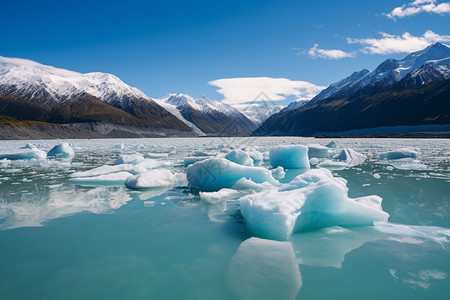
pixel 411 92
pixel 414 91
pixel 32 91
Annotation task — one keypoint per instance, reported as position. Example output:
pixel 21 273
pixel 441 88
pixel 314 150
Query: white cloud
pixel 316 52
pixel 417 7
pixel 404 43
pixel 250 89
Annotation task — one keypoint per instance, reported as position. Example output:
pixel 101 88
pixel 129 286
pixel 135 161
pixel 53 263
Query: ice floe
pixel 314 199
pixel 265 269
pixel 61 151
pixel 116 179
pixel 133 159
pixel 32 153
pixel 350 157
pixel 318 151
pixel 240 157
pixel 400 153
pixel 151 179
pixel 289 157
pixel 216 173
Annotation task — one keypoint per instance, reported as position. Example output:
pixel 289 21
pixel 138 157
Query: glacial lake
pixel 61 239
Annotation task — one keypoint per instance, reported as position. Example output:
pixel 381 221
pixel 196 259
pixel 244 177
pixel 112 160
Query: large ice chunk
pixel 151 179
pixel 289 157
pixel 314 199
pixel 350 156
pixel 316 150
pixel 265 269
pixel 239 157
pixel 216 173
pixel 32 153
pixel 62 151
pixel 400 153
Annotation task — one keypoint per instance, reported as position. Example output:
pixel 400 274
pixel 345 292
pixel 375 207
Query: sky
pixel 226 50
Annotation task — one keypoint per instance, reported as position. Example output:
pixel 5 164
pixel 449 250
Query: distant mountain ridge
pixel 209 116
pixel 411 91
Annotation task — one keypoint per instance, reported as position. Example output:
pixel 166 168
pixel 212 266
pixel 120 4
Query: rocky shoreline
pixel 95 130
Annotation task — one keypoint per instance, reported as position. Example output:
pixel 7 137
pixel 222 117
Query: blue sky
pixel 166 47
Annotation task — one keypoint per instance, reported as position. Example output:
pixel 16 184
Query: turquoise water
pixel 64 241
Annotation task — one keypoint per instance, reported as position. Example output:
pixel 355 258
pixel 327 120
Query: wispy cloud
pixel 404 43
pixel 316 52
pixel 247 89
pixel 417 7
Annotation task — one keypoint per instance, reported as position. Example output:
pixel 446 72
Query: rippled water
pixel 59 240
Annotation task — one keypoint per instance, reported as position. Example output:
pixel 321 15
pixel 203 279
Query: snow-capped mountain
pixel 36 82
pixel 413 91
pixel 258 112
pixel 33 91
pixel 436 57
pixel 205 115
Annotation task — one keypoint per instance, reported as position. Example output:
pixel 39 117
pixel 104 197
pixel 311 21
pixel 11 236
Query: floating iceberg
pixel 239 157
pixel 216 173
pixel 316 150
pixel 106 179
pixel 133 159
pixel 61 151
pixel 314 199
pixel 265 269
pixel 400 153
pixel 333 165
pixel 32 153
pixel 254 154
pixel 350 156
pixel 289 157
pixel 151 179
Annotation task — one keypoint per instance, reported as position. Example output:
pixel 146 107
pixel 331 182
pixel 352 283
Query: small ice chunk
pixel 316 150
pixel 239 157
pixel 400 153
pixel 4 163
pixel 278 173
pixel 29 146
pixel 214 174
pixel 149 203
pixel 32 153
pixel 219 196
pixel 389 168
pixel 314 199
pixel 351 157
pixel 289 157
pixel 264 269
pixel 133 159
pixel 313 161
pixel 61 151
pixel 376 176
pixel 331 144
pixel 151 179
pixel 107 179
pixel 201 153
pixel 266 155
